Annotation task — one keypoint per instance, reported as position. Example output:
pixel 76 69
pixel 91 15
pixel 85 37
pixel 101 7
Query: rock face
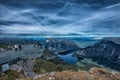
pixel 60 45
pixel 104 52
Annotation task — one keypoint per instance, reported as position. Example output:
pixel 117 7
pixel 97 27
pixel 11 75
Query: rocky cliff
pixel 105 52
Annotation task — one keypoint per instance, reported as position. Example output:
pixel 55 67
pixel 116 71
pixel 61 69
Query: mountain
pixel 60 45
pixel 105 52
pixel 114 39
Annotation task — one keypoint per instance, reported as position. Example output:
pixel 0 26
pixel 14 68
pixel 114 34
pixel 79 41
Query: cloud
pixel 70 18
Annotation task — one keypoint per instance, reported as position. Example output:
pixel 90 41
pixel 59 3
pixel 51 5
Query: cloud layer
pixel 59 17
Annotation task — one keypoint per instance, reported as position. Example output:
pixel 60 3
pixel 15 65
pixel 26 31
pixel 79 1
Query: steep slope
pixel 60 45
pixel 105 52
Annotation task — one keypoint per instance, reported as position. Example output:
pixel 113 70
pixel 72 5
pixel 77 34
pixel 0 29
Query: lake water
pixel 85 63
pixel 68 58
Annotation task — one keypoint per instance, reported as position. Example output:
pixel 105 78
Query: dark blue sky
pixel 84 18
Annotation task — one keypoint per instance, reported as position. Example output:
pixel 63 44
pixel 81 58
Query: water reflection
pixel 68 58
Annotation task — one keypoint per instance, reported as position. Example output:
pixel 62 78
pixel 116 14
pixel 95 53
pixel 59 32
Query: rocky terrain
pixel 93 74
pixel 60 45
pixel 105 52
pixel 47 70
pixel 31 51
pixel 43 64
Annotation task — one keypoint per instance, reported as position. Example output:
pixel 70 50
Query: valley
pixel 38 57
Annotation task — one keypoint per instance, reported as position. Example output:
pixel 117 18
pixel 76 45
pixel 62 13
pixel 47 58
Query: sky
pixel 69 18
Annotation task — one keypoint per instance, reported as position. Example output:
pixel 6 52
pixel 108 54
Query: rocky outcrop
pixel 104 52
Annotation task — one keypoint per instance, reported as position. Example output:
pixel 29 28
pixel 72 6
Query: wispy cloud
pixel 67 19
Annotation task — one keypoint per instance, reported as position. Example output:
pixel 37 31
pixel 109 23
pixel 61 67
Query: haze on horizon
pixel 70 18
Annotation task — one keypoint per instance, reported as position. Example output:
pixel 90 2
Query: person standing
pixel 16 47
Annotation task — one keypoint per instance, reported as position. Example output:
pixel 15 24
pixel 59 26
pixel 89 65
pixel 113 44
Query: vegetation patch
pixel 10 75
pixel 42 66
